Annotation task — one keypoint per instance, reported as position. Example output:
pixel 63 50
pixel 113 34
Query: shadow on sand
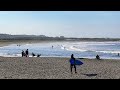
pixel 1 61
pixel 90 75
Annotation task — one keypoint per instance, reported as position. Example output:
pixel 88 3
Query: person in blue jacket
pixel 73 65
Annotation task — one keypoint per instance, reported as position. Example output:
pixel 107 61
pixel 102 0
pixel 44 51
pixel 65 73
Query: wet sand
pixel 57 68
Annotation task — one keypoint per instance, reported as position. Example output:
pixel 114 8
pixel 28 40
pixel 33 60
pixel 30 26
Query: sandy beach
pixel 57 68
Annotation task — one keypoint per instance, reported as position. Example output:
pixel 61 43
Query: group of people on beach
pixel 25 53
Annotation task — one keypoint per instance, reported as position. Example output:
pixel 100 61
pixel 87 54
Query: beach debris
pixel 33 54
pixel 38 55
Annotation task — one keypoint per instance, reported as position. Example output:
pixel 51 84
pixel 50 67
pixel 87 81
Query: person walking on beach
pixel 71 65
pixel 27 53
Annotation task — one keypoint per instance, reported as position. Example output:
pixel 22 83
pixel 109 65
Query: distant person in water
pixel 98 57
pixel 27 53
pixel 52 47
pixel 118 54
pixel 23 53
pixel 71 65
pixel 18 45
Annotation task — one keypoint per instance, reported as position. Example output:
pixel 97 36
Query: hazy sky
pixel 57 23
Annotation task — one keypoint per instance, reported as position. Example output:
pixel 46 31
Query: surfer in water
pixel 52 47
pixel 71 65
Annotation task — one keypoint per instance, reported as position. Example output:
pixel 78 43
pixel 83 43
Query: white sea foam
pixel 109 51
pixel 72 48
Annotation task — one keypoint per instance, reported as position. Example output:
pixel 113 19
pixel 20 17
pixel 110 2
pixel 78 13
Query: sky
pixel 81 24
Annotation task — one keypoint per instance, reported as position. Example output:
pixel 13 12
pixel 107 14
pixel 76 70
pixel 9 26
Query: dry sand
pixel 57 68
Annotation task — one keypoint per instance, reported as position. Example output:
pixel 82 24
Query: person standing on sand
pixel 23 53
pixel 98 57
pixel 71 65
pixel 27 53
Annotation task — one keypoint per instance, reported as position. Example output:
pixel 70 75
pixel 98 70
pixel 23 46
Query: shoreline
pixel 61 57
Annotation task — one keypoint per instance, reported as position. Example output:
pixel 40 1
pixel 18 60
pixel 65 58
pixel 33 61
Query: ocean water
pixel 106 50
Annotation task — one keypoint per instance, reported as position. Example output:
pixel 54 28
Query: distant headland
pixel 7 37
